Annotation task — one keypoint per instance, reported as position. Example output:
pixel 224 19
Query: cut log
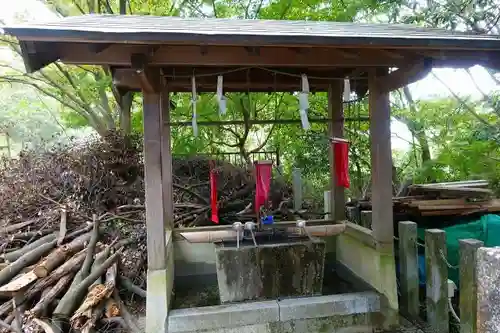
pixel 14 255
pixel 47 299
pixel 59 255
pixel 130 286
pixel 13 227
pixel 72 298
pixel 29 258
pixel 27 235
pixel 85 271
pixel 72 265
pixel 95 315
pixel 3 324
pixel 62 226
pixel 19 283
pixel 46 326
pixel 97 295
pixel 131 323
pixel 112 308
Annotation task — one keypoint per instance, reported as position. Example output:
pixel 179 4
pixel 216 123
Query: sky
pixel 430 87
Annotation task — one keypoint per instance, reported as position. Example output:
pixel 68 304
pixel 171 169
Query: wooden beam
pixel 263 80
pixel 98 47
pixel 336 129
pixel 37 55
pixel 181 55
pixel 406 75
pixel 266 121
pixel 149 78
pixel 381 160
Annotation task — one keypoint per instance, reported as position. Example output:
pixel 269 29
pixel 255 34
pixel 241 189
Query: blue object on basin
pixel 267 219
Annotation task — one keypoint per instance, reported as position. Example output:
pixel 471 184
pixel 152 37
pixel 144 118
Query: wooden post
pixel 326 204
pixel 488 277
pixel 381 160
pixel 336 129
pixel 297 189
pixel 408 263
pixel 159 210
pixel 437 280
pixel 468 284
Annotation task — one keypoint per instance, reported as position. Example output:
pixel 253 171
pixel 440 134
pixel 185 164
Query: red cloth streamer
pixel 213 193
pixel 341 153
pixel 262 183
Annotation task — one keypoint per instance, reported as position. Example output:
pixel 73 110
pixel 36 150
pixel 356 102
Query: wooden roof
pixel 211 31
pixel 272 53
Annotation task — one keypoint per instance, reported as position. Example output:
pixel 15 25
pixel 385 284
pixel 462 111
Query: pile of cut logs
pixel 61 280
pixel 440 199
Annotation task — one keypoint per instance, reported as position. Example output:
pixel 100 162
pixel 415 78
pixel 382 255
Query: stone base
pixel 270 271
pixel 346 313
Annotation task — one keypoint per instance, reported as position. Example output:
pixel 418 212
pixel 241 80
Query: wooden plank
pixel 166 155
pixel 452 191
pixel 381 161
pixel 155 214
pixel 408 262
pixel 437 280
pixel 336 129
pixel 468 284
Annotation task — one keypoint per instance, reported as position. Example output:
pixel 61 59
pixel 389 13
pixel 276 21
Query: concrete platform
pixel 286 268
pixel 346 313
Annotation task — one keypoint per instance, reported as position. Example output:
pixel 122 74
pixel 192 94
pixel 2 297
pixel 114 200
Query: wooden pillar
pixel 468 284
pixel 437 280
pixel 159 210
pixel 381 160
pixel 408 263
pixel 336 129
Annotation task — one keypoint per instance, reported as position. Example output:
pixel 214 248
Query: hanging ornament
pixel 221 99
pixel 347 90
pixel 304 103
pixel 193 102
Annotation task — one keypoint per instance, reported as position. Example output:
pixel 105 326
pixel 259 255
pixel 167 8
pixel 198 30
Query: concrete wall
pixel 357 250
pixel 356 312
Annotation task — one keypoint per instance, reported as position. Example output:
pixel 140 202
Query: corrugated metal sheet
pixel 131 28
